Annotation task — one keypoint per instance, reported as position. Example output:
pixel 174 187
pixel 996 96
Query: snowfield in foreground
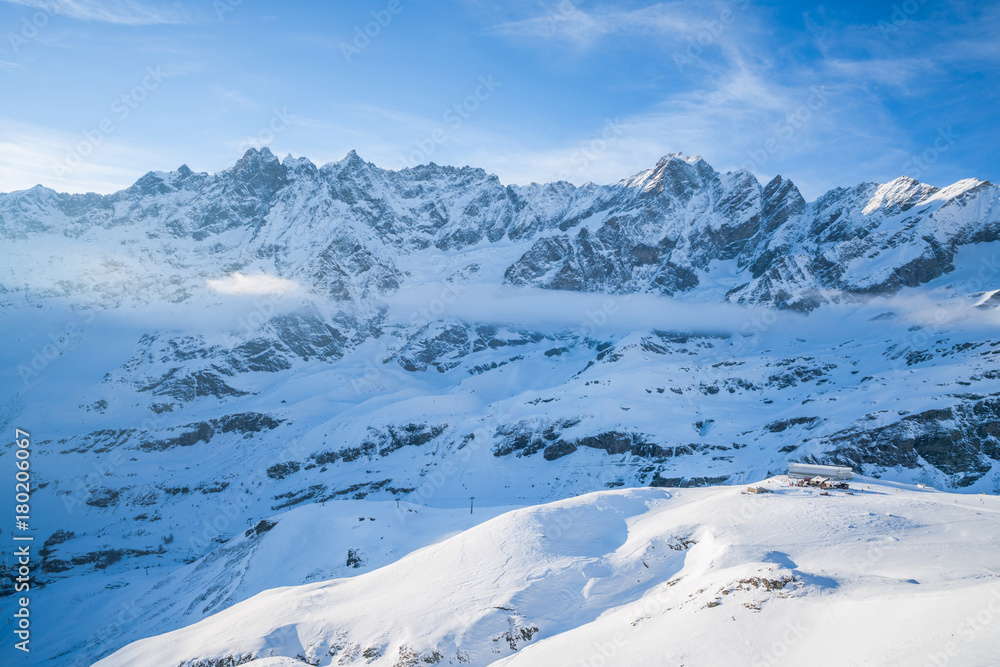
pixel 890 575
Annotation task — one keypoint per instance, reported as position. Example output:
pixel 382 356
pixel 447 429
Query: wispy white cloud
pixel 731 105
pixel 565 20
pixel 739 119
pixel 738 101
pixel 899 72
pixel 260 283
pixel 32 155
pixel 730 118
pixel 229 97
pixel 120 12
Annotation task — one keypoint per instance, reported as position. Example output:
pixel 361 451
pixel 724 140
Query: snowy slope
pixel 889 575
pixel 309 543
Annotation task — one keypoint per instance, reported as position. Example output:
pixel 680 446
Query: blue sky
pixel 94 94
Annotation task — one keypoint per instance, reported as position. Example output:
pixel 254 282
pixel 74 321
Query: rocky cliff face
pixel 227 346
pixel 345 228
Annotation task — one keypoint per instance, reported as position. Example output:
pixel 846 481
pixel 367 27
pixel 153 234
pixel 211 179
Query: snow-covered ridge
pixel 648 577
pixel 350 230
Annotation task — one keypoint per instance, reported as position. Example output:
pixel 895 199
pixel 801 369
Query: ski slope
pixel 890 575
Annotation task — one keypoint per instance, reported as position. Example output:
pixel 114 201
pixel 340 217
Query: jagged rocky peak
pixel 652 232
pixel 353 178
pixel 444 183
pixel 183 175
pixel 444 175
pixel 254 157
pixel 350 163
pixel 152 183
pixel 352 158
pixel 257 163
pixel 674 174
pixel 781 201
pixel 963 189
pixel 161 182
pixel 36 193
pixel 155 183
pixel 299 165
pixel 899 195
pixel 679 157
pixel 32 211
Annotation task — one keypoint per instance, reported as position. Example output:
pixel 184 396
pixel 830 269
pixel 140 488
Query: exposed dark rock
pixel 558 450
pixel 262 527
pixel 103 497
pixel 782 424
pixel 202 432
pixel 686 482
pixel 961 441
pixel 282 470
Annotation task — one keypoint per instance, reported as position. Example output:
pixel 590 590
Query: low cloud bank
pixel 564 310
pixel 587 313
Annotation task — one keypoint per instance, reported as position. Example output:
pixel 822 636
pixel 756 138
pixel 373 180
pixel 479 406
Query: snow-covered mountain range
pixel 199 352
